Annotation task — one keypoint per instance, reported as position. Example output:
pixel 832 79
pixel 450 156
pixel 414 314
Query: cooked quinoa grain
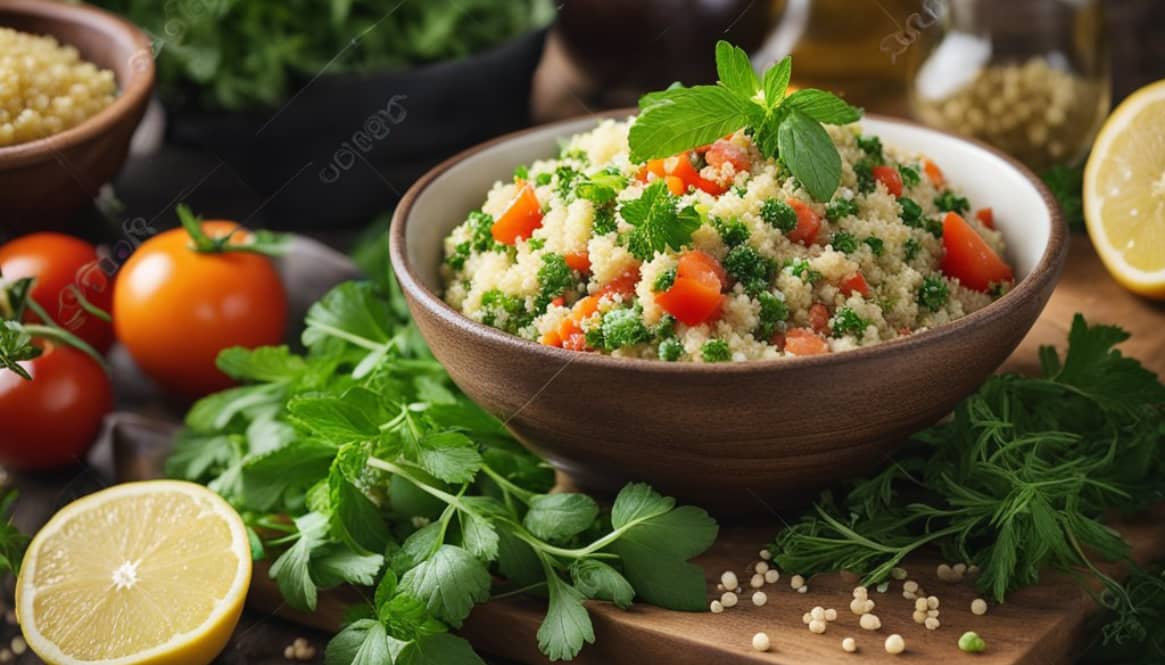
pixel 591 252
pixel 46 88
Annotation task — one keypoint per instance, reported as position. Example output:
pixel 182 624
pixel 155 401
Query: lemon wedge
pixel 143 573
pixel 1124 192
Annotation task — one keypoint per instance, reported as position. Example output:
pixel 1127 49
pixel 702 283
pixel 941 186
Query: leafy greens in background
pixel 393 480
pixel 248 54
pixel 1019 480
pixel 786 127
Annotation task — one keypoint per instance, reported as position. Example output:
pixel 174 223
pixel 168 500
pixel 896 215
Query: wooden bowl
pixel 733 436
pixel 44 182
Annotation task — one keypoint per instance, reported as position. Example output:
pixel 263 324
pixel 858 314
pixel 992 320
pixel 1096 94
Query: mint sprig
pixel 785 127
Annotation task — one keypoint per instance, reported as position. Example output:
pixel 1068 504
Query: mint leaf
pixel 216 412
pixel 450 456
pixel 735 70
pixel 449 583
pixel 266 364
pixel 567 626
pixel 777 81
pixel 407 618
pixel 823 107
pixel 196 456
pixel 657 224
pixel 559 517
pixel 354 312
pixel 364 642
pixel 809 153
pixel 595 579
pixel 684 118
pixel 601 188
pixel 478 536
pixel 439 649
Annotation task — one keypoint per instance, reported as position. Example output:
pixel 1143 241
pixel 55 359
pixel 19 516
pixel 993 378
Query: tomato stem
pixel 90 307
pixel 266 243
pixel 59 334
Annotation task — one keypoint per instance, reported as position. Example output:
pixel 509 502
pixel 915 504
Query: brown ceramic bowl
pixel 729 436
pixel 44 182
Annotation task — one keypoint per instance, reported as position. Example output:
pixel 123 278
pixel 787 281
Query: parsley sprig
pixel 1018 481
pixel 788 127
pixel 394 481
pixel 658 224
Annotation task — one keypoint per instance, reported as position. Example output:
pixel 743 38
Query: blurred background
pixel 317 115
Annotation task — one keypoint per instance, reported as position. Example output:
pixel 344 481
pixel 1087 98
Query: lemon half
pixel 1124 192
pixel 142 573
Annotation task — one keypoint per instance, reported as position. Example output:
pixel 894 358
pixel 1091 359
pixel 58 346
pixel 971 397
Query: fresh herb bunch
pixel 360 463
pixel 1131 632
pixel 247 54
pixel 785 127
pixel 13 542
pixel 1017 481
pixel 1067 186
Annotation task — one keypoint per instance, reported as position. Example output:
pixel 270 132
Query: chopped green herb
pixel 864 170
pixel 554 278
pixel 911 248
pixel 911 212
pixel 666 328
pixel 482 224
pixel 934 227
pixel 522 172
pixel 460 255
pixel 750 268
pixel 838 208
pixel 847 322
pixel 800 269
pixel 566 177
pixel 733 231
pixel 876 245
pixel 933 293
pixel 1067 185
pixel 658 225
pixel 664 281
pixel 536 244
pixel 715 351
pixel 505 311
pixel 604 221
pixel 872 146
pixel 543 179
pixel 910 175
pixel 671 349
pixel 740 190
pixel 949 202
pixel 601 188
pixel 844 242
pixel 779 215
pixel 773 312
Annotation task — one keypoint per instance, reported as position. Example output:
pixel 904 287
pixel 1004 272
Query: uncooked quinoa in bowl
pixel 719 253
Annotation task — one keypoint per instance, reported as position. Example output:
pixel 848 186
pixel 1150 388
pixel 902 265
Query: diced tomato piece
pixel 778 340
pixel 623 285
pixel 934 173
pixel 520 219
pixel 723 152
pixel 905 331
pixel 819 317
pixel 551 338
pixel 584 308
pixel 805 342
pixel 685 171
pixel 576 342
pixel 889 176
pixel 694 297
pixel 855 283
pixel 579 261
pixel 675 185
pixel 558 302
pixel 652 167
pixel 987 216
pixel 808 223
pixel 969 258
pixel 695 263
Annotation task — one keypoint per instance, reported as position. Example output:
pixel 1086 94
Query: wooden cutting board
pixel 1042 624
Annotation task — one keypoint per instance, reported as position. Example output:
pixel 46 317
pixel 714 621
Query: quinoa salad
pixel 720 254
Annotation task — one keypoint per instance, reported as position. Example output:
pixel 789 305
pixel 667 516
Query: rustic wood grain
pixel 1040 625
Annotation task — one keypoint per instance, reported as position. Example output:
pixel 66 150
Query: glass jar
pixel 1030 77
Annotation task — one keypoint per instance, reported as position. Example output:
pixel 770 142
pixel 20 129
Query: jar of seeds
pixel 1031 78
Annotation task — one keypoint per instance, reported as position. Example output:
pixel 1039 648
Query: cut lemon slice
pixel 1124 192
pixel 143 573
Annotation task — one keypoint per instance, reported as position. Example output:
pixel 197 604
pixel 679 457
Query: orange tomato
pixel 969 258
pixel 694 297
pixel 675 185
pixel 175 309
pixel 889 176
pixel 63 266
pixel 934 173
pixel 580 261
pixel 694 262
pixel 691 177
pixel 520 219
pixel 808 223
pixel 805 342
pixel 987 216
pixel 653 167
pixel 726 152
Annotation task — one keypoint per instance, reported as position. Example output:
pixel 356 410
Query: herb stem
pixel 507 486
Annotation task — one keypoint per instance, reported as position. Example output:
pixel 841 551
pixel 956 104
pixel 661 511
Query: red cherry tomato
pixel 969 258
pixel 694 297
pixel 808 223
pixel 175 309
pixel 819 317
pixel 889 176
pixel 53 419
pixel 686 172
pixel 63 267
pixel 854 283
pixel 723 152
pixel 521 219
pixel 805 342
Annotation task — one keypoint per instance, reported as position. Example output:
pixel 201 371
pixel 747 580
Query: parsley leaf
pixel 657 224
pixel 449 583
pixel 558 517
pixel 567 625
pixel 595 579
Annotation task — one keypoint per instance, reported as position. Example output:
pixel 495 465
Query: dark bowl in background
pixel 336 153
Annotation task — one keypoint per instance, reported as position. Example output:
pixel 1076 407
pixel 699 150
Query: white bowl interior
pixel 984 177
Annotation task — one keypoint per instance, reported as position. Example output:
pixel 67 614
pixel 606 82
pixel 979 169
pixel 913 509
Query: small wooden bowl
pixel 44 182
pixel 732 436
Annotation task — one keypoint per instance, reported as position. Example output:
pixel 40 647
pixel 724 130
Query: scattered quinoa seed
pixel 765 555
pixel 870 622
pixel 978 607
pixel 920 605
pixel 895 644
pixel 945 573
pixel 757 581
pixel 18 646
pixel 760 642
pixel 816 626
pixel 909 585
pixel 932 623
pixel 818 613
pixel 728 579
pixel 870 605
pixel 857 606
pixel 806 618
pixel 772 576
pixel 5 656
pixel 831 614
pixel 759 598
pixel 861 592
pixel 729 599
pixel 848 645
pixel 932 613
pixel 10 617
pixel 919 617
pixel 762 568
pixel 797 582
pixel 720 588
pixel 970 642
pixel 804 588
pixel 960 569
pixel 716 607
pixel 932 603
